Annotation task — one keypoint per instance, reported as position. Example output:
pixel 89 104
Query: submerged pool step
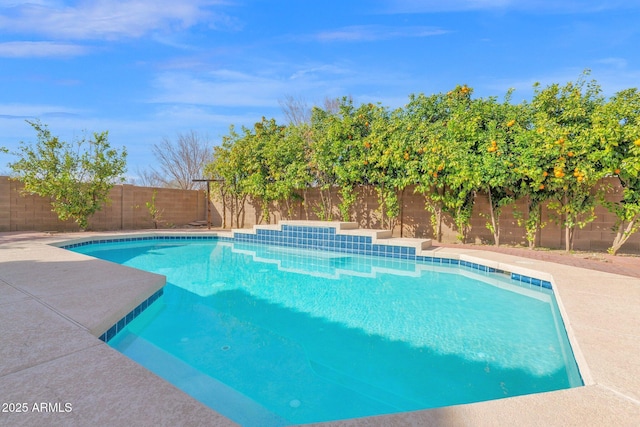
pixel 200 386
pixel 345 236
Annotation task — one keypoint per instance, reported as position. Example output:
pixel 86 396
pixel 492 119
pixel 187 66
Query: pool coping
pixel 600 312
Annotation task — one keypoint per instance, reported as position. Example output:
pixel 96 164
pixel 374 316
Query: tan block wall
pixel 596 235
pixel 126 209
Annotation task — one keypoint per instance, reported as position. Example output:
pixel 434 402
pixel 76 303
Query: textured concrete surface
pixel 54 303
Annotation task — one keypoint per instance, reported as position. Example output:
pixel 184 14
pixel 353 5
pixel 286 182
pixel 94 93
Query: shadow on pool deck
pixel 49 356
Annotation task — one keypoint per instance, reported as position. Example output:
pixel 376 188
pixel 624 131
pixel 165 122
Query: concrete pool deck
pixel 54 303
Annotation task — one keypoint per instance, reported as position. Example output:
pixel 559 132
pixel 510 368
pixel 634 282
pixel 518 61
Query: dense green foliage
pixel 76 180
pixel 450 147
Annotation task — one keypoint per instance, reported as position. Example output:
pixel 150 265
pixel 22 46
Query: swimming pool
pixel 273 335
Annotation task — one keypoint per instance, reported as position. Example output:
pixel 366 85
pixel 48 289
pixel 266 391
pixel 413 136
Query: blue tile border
pixel 120 324
pixel 483 268
pixel 142 239
pixel 531 280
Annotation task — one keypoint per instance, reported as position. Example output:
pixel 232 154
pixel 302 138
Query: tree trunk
pixel 495 224
pixel 622 235
pixel 569 232
pixel 224 209
pixel 382 207
pixel 402 213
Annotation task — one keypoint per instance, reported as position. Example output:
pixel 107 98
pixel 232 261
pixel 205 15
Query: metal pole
pixel 208 205
pixel 208 181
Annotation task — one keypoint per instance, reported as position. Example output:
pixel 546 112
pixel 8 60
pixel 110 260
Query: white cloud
pixel 540 6
pixel 360 33
pixel 191 117
pixel 22 111
pixel 221 88
pixel 232 88
pixel 30 49
pixel 105 19
pixel 614 62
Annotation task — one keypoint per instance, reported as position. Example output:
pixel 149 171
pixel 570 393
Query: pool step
pixel 378 237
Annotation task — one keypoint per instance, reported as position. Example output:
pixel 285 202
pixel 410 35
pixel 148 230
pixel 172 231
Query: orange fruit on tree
pixel 541 187
pixel 637 142
pixel 511 123
pixel 617 171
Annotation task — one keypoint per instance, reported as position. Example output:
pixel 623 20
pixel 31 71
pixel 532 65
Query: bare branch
pixel 295 110
pixel 181 162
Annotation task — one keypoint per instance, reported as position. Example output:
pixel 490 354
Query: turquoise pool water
pixel 270 335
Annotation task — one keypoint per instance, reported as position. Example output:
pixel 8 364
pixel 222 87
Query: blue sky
pixel 150 69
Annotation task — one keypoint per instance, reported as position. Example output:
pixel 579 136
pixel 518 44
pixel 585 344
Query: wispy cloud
pixel 539 6
pixel 619 63
pixel 42 49
pixel 367 33
pixel 219 88
pixel 32 111
pixel 105 19
pixel 426 6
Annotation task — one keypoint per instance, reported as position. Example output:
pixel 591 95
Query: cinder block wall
pixel 126 209
pixel 415 219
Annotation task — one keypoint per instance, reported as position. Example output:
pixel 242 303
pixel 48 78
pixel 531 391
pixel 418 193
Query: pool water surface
pixel 269 335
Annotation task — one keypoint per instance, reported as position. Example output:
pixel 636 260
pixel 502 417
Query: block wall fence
pixel 597 235
pixel 127 211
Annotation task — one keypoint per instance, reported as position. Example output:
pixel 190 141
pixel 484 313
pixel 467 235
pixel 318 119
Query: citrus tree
pixel 322 160
pixel 617 131
pixel 459 143
pixel 229 166
pixel 385 158
pixel 266 163
pixel 496 132
pixel 563 120
pixel 444 141
pixel 347 135
pixel 532 161
pixel 77 177
pixel 425 119
pixel 294 176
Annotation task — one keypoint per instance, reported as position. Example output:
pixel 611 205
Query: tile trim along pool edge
pixel 609 398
